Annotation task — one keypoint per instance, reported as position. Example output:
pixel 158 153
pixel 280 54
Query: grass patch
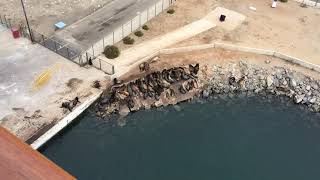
pixel 128 40
pixel 138 33
pixel 111 52
pixel 145 27
pixel 171 11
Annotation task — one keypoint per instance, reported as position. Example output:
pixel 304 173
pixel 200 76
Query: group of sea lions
pixel 70 104
pixel 151 86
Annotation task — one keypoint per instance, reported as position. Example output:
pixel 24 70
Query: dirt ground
pixel 44 14
pixel 288 28
pixel 218 57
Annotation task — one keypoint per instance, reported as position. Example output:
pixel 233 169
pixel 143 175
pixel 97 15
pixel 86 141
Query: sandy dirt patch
pixel 288 28
pixel 132 55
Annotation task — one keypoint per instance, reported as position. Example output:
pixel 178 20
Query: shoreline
pixel 241 77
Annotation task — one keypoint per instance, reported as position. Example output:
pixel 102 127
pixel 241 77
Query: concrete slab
pixel 33 83
pixel 87 31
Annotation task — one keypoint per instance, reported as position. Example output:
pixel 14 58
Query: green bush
pixel 145 27
pixel 111 52
pixel 128 40
pixel 138 33
pixel 283 0
pixel 171 11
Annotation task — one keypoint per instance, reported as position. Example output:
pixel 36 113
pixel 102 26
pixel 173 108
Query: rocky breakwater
pixel 159 88
pixel 174 85
pixel 253 79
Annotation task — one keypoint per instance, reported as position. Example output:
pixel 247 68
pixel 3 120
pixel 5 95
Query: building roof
pixel 19 161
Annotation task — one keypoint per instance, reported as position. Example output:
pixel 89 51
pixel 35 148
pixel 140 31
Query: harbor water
pixel 223 138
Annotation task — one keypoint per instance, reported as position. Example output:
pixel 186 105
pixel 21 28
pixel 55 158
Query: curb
pixel 232 47
pixel 64 122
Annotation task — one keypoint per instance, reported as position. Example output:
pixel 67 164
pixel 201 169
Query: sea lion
pixel 96 84
pixel 66 105
pixel 117 81
pixel 130 103
pixel 182 89
pixel 194 69
pixel 232 80
pixel 145 66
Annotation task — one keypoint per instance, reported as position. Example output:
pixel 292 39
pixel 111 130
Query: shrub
pixel 111 52
pixel 145 27
pixel 138 33
pixel 283 0
pixel 128 40
pixel 171 11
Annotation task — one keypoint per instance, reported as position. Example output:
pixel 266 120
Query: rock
pixel 314 86
pixel 124 110
pixel 267 61
pixel 312 100
pixel 284 83
pixel 308 88
pixel 293 83
pixel 298 98
pixel 205 93
pixel 177 108
pixel 269 81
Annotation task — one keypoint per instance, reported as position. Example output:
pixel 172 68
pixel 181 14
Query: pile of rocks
pixel 248 78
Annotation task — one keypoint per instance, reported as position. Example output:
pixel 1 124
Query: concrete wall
pixel 232 47
pixel 310 3
pixel 124 30
pixel 64 122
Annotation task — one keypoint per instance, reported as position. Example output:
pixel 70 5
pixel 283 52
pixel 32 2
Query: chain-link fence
pixel 124 30
pixel 132 25
pixel 52 44
pixel 92 53
pixel 99 63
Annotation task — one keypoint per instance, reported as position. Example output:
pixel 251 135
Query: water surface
pixel 243 139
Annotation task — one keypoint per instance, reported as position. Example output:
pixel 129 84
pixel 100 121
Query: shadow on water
pixel 223 138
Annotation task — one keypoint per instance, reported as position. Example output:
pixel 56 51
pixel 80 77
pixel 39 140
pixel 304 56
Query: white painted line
pixel 64 122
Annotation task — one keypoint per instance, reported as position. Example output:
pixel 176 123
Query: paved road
pixel 89 30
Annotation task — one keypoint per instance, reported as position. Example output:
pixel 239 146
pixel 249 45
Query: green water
pixel 243 139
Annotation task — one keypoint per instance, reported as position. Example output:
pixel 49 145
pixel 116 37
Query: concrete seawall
pixel 64 122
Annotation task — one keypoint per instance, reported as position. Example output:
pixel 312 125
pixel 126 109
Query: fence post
pixel 5 19
pixel 103 44
pixel 92 51
pixel 10 23
pixel 113 69
pixel 55 46
pixel 100 62
pixel 122 31
pixel 68 53
pixel 44 42
pixel 155 9
pixel 162 5
pixel 1 19
pixel 112 37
